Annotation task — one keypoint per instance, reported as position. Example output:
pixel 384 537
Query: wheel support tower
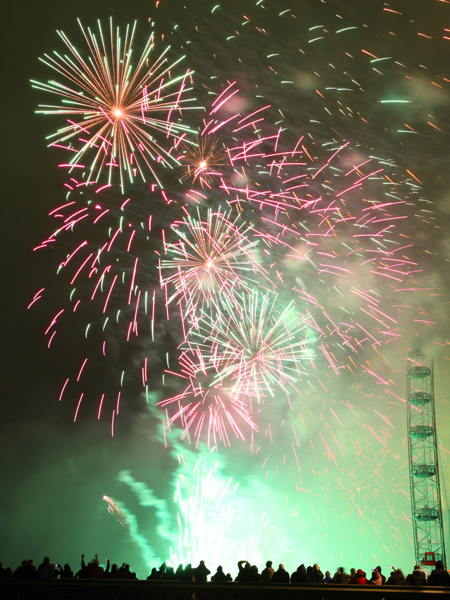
pixel 426 502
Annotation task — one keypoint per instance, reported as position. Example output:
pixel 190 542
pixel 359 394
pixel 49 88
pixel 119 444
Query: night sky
pixel 54 472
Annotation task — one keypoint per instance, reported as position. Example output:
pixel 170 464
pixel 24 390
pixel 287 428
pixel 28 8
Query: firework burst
pixel 122 115
pixel 212 256
pixel 202 160
pixel 255 343
pixel 207 409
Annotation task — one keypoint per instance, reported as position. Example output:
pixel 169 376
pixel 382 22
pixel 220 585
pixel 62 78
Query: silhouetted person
pixel 267 573
pixel 360 578
pixel 341 577
pixel 95 571
pixel 112 573
pixel 91 570
pixel 19 571
pixel 417 577
pixel 188 573
pixel 383 578
pixel 125 573
pixel 280 575
pixel 316 574
pixel 66 572
pixel 6 572
pixel 169 574
pixel 439 575
pixel 219 576
pixel 55 571
pixel 44 569
pixel 26 570
pixel 299 576
pixel 244 571
pixel 81 574
pixel 254 575
pixel 396 577
pixel 179 573
pixel 201 572
pixel 154 575
pixel 375 579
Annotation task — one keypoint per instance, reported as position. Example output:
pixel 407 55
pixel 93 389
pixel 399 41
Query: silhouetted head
pixel 268 564
pixel 439 564
pixel 378 569
pixel 219 569
pixel 417 568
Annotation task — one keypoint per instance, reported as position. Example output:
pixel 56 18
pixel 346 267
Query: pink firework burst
pixel 206 409
pixel 211 257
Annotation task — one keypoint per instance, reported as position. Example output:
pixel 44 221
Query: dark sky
pixel 50 469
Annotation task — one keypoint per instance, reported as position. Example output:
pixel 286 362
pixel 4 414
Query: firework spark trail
pixel 253 343
pixel 339 236
pixel 127 519
pixel 212 257
pixel 110 270
pixel 115 509
pixel 216 407
pixel 116 109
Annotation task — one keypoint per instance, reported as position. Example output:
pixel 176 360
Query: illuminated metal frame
pixel 426 505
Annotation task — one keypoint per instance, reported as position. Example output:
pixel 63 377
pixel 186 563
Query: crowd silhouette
pixel 247 573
